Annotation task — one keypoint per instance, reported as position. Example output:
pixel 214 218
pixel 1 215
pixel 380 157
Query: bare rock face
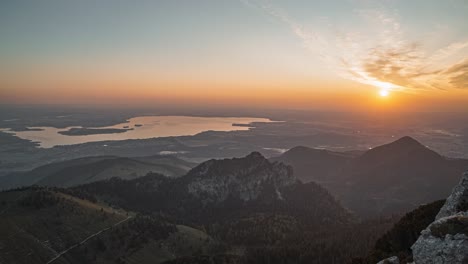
pixel 244 178
pixel 457 201
pixel 445 241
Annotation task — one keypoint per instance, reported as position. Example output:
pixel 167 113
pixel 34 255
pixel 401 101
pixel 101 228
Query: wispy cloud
pixel 386 58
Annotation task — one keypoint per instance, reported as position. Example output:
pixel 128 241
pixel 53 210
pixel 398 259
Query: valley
pixel 278 192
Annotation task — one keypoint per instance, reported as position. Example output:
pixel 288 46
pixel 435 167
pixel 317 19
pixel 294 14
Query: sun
pixel 385 88
pixel 383 93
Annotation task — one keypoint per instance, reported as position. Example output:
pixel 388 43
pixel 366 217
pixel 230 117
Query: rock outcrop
pixel 445 241
pixel 242 178
pixel 457 203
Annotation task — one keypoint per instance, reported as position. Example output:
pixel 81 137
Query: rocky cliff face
pixel 241 178
pixel 445 241
pixel 457 203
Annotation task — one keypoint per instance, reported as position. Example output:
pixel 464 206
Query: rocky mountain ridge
pixel 224 189
pixel 246 178
pixel 445 240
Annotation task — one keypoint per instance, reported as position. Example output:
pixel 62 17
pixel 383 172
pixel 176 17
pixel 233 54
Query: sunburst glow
pixel 383 93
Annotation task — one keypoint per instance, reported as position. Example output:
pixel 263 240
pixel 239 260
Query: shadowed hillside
pixel 395 177
pixel 39 225
pixel 90 169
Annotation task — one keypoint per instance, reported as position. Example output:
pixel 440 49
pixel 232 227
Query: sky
pixel 334 55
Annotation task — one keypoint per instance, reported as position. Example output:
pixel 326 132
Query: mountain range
pixel 90 169
pixel 219 189
pixel 219 210
pixel 238 210
pixel 391 178
pixel 387 179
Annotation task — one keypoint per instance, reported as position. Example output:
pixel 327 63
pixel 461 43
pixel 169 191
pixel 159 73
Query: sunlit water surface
pixel 143 127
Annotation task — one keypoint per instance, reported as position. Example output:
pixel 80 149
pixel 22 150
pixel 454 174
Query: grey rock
pixel 457 201
pixel 430 249
pixel 244 178
pixel 445 241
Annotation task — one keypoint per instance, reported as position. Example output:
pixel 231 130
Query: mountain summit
pixel 222 189
pixel 244 178
pixel 400 146
pixel 407 141
pixel 401 149
pixel 394 177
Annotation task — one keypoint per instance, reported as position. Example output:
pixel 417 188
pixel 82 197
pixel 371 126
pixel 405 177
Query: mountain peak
pixel 245 177
pixel 408 141
pixel 255 155
pixel 402 145
pixel 404 149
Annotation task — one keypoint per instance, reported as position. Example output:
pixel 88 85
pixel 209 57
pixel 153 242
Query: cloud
pixel 458 74
pixel 384 57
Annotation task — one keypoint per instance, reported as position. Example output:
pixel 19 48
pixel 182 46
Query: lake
pixel 138 128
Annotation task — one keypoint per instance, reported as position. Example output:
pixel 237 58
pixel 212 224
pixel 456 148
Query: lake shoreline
pixel 140 127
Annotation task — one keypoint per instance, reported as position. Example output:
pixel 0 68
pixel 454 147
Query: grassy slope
pixel 37 224
pixel 186 241
pixel 34 229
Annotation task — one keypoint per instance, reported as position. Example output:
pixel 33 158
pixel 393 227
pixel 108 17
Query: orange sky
pixel 327 56
pixel 316 94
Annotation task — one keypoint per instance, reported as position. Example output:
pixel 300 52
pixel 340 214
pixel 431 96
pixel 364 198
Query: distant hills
pixel 90 169
pixel 395 177
pixel 318 165
pixel 391 178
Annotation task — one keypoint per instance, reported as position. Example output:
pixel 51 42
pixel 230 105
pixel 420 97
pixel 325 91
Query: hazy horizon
pixel 337 56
